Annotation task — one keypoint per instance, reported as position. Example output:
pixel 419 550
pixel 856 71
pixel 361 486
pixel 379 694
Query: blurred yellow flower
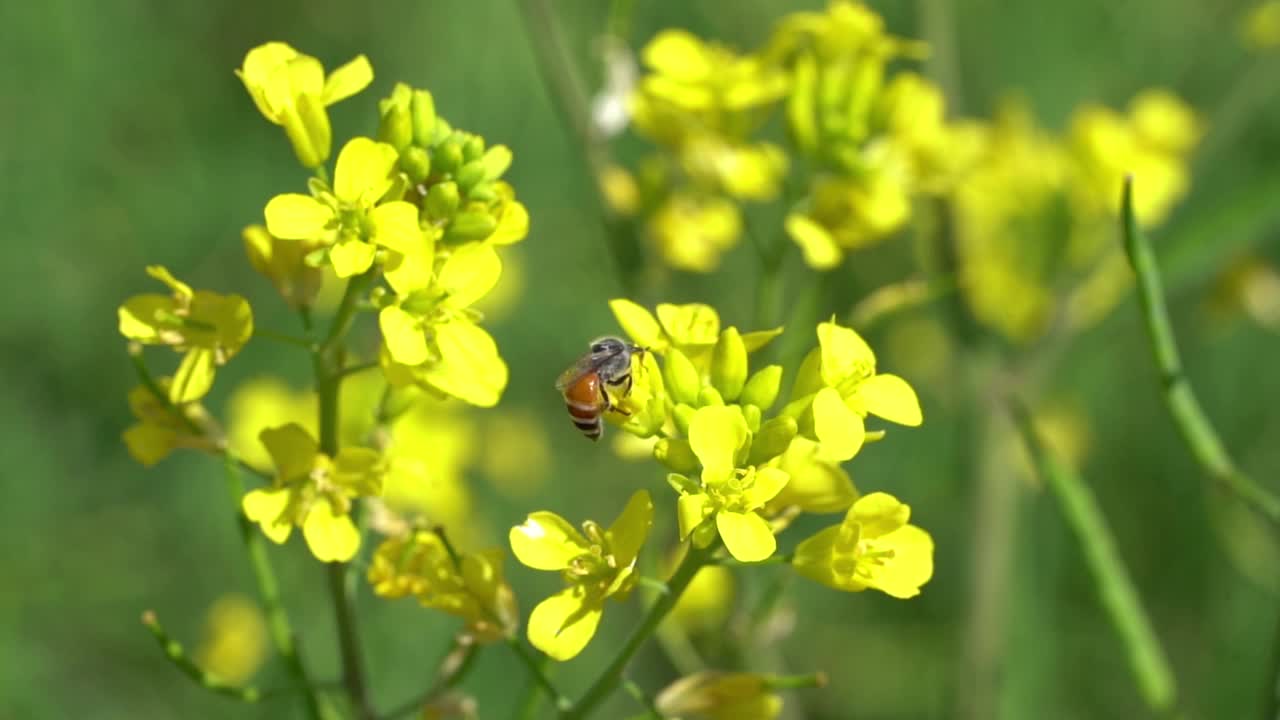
pixel 715 695
pixel 520 469
pixel 234 643
pixel 706 601
pixel 431 447
pixel 160 428
pixel 1260 27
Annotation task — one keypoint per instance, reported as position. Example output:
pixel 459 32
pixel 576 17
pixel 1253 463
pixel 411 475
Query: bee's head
pixel 609 345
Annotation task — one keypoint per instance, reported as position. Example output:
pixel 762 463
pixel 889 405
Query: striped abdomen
pixel 585 401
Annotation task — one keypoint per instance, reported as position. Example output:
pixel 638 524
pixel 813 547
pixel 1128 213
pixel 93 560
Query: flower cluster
pixel 1035 212
pixel 740 475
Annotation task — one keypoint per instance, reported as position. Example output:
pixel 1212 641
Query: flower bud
pixel 683 415
pixel 496 161
pixel 681 377
pixel 447 156
pixel 308 131
pixel 442 201
pixel 470 225
pixel 751 414
pixel 416 163
pixel 472 148
pixel 395 127
pixel 469 175
pixel 709 396
pixel 423 112
pixel 677 455
pixel 772 440
pixel 762 389
pixel 729 364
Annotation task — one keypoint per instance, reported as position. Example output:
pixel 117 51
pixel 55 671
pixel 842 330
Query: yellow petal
pixel 265 507
pixel 347 80
pixel 879 514
pixel 757 339
pixel 363 171
pixel 631 528
pixel 137 317
pixel 546 541
pixel 716 433
pixel 395 226
pixel 814 560
pixel 639 324
pixel 330 536
pixel 469 274
pixel 564 623
pixel 890 397
pixel 691 510
pixel 844 354
pixel 470 368
pixel 820 249
pixel 911 565
pixel 746 535
pixel 769 481
pixel 255 72
pixel 839 429
pixel 194 376
pixel 403 335
pixel 294 216
pixel 351 257
pixel 149 444
pixel 513 225
pixel 408 273
pixel 292 449
pixel 678 54
pixel 692 324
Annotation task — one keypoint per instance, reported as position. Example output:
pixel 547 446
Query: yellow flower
pixel 314 492
pixel 291 90
pixel 283 262
pixel 727 499
pixel 844 214
pixel 873 548
pixel 715 695
pixel 692 231
pixel 235 639
pixel 694 329
pixel 596 563
pixel 471 587
pixel 818 483
pixel 208 328
pixel 521 469
pixel 161 429
pixel 430 449
pixel 1260 27
pixel 707 600
pixel 429 333
pixel 361 213
pixel 837 387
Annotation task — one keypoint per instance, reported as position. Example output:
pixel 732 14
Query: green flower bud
pixel 470 225
pixel 751 414
pixel 676 454
pixel 802 104
pixel 423 110
pixel 447 156
pixel 483 192
pixel 496 161
pixel 469 175
pixel 442 201
pixel 762 389
pixel 682 484
pixel 443 131
pixel 774 438
pixel 683 415
pixel 729 364
pixel 681 377
pixel 416 163
pixel 395 127
pixel 473 148
pixel 710 396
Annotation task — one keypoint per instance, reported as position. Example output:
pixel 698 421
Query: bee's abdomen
pixel 586 419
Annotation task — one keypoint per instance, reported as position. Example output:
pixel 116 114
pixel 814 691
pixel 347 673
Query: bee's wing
pixel 585 364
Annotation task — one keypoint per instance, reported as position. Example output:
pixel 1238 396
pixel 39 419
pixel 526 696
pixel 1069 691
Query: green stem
pixel 797 682
pixel 269 591
pixel 327 366
pixel 1116 591
pixel 538 674
pixel 1188 416
pixel 177 655
pixel 285 338
pixel 640 696
pixel 609 679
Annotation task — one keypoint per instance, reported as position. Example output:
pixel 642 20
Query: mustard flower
pixel 291 90
pixel 161 427
pixel 694 329
pixel 314 492
pixel 234 644
pixel 431 447
pixel 208 328
pixel 471 587
pixel 283 263
pixel 429 332
pixel 818 483
pixel 715 695
pixel 359 214
pixel 596 563
pixel 837 387
pixel 873 548
pixel 728 498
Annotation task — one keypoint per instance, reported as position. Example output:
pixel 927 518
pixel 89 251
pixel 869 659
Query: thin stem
pixel 1116 591
pixel 453 669
pixel 177 655
pixel 348 640
pixel 797 682
pixel 609 679
pixel 538 674
pixel 640 696
pixel 1188 416
pixel 269 592
pixel 357 368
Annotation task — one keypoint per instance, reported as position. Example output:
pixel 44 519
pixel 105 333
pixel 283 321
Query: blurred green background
pixel 128 141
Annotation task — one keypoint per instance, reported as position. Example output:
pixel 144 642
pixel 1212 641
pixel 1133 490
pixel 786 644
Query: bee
pixel 586 385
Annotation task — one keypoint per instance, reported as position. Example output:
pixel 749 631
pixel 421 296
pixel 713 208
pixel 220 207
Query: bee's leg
pixel 610 405
pixel 628 390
